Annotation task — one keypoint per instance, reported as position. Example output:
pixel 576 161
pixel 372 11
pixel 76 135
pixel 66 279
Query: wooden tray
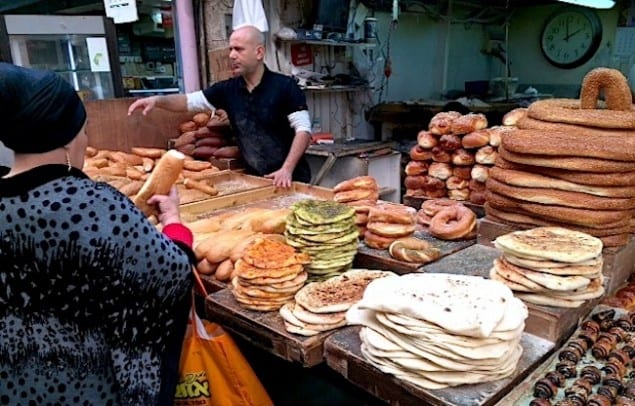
pixel 522 394
pixel 342 353
pixel 380 259
pixel 415 202
pixel 619 262
pixel 551 323
pixel 227 163
pixel 265 330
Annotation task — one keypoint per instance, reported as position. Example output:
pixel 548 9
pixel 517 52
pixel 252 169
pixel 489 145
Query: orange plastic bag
pixel 213 371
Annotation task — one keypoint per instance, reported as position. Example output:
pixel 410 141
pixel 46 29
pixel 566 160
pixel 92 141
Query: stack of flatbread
pixel 268 275
pixel 322 306
pixel 440 330
pixel 326 231
pixel 550 266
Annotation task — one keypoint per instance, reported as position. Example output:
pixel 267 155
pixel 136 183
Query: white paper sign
pixel 121 11
pixel 98 54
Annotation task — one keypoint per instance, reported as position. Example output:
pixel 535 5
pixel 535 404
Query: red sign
pixel 301 54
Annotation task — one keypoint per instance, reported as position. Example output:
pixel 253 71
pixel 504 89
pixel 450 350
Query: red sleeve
pixel 178 232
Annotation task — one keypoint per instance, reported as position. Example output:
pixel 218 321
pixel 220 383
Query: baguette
pixel 200 186
pixel 161 179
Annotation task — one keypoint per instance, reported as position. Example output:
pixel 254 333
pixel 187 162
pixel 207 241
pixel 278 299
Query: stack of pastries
pixel 452 157
pixel 571 163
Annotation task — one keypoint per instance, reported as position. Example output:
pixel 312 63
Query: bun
pixel 477 186
pixel 414 168
pixel 396 215
pixel 477 197
pixel 455 183
pixel 475 139
pixel 419 154
pixel 440 155
pixel 450 142
pixel 496 133
pixel 459 194
pixel 512 117
pixel 356 194
pixel 462 172
pixel 469 123
pixel 427 140
pixel 462 157
pixel 440 170
pixel 359 182
pixel 153 153
pixel 441 123
pixel 161 179
pixel 486 155
pixel 480 173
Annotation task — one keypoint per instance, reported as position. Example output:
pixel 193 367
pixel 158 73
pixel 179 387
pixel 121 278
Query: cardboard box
pixel 219 64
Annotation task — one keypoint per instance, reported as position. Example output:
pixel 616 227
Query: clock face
pixel 571 37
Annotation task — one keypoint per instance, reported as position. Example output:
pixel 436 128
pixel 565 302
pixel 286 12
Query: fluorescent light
pixel 591 3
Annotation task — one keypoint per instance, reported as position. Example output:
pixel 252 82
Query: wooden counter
pixel 342 353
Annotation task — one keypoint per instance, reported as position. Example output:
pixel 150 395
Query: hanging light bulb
pixel 591 3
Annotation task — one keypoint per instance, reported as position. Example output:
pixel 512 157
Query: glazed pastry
pixel 557 378
pixel 609 391
pixel 567 368
pixel 592 374
pixel 545 389
pixel 598 400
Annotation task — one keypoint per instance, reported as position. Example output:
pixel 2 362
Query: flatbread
pixel 268 253
pixel 543 300
pixel 295 283
pixel 288 315
pixel 508 271
pixel 554 282
pixel 307 316
pixel 552 243
pixel 248 271
pixel 315 212
pixel 548 266
pixel 337 294
pixel 512 285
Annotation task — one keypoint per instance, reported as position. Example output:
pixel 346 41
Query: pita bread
pixel 554 282
pixel 259 292
pixel 552 243
pixel 337 294
pixel 552 266
pixel 512 285
pixel 299 330
pixel 511 273
pixel 306 316
pixel 287 313
pixel 267 253
pixel 248 271
pixel 460 304
pixel 544 300
pixel 296 283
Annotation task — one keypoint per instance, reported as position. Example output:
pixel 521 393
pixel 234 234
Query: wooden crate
pixel 342 353
pixel 265 330
pixel 619 262
pixel 551 323
pixel 219 64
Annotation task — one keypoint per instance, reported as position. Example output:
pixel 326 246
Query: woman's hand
pixel 168 206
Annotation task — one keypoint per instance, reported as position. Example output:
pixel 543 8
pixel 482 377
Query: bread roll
pixel 440 155
pixel 462 157
pixel 426 140
pixel 153 153
pixel 455 183
pixel 512 117
pixel 475 139
pixel 480 173
pixel 486 155
pixel 462 172
pixel 440 170
pixel 414 168
pixel 420 154
pixel 161 179
pixel 450 142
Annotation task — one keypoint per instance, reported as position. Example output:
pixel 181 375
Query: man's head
pixel 247 50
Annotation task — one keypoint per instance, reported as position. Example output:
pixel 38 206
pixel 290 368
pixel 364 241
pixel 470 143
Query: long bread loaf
pixel 161 179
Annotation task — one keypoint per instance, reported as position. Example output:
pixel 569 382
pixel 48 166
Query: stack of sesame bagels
pixel 571 163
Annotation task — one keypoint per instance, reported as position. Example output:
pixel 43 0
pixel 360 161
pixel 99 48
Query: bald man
pixel 267 111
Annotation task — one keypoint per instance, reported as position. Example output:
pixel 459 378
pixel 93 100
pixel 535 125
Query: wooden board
pixel 551 323
pixel 110 127
pixel 619 262
pixel 380 259
pixel 522 394
pixel 265 330
pixel 415 202
pixel 342 353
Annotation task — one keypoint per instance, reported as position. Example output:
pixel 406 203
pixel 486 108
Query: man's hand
pixel 147 104
pixel 168 206
pixel 281 178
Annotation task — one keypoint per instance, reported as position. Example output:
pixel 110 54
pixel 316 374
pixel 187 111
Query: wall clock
pixel 570 37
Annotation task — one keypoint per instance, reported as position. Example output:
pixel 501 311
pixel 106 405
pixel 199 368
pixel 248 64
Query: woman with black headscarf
pixel 93 299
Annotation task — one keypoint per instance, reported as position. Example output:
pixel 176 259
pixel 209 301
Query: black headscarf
pixel 40 111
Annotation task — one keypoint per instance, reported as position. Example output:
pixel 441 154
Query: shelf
pixel 329 43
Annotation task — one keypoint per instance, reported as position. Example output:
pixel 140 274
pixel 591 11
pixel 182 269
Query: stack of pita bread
pixel 550 266
pixel 326 231
pixel 440 330
pixel 322 306
pixel 268 275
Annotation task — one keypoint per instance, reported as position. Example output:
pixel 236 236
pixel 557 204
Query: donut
pixel 440 155
pixel 468 123
pixel 569 111
pixel 462 172
pixel 462 157
pixel 440 170
pixel 486 155
pixel 452 223
pixel 419 154
pixel 459 194
pixel 412 249
pixel 423 219
pixel 512 117
pixel 377 241
pixel 479 173
pixel 617 92
pixel 359 182
pixel 450 142
pixel 414 168
pixel 433 206
pixel 398 214
pixel 390 230
pixel 453 182
pixel 427 140
pixel 475 139
pixel 441 122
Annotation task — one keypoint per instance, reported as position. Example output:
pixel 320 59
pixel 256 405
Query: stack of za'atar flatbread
pixel 322 306
pixel 570 165
pixel 326 231
pixel 550 266
pixel 268 275
pixel 439 330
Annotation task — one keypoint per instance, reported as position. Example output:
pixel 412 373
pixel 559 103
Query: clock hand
pixel 566 36
pixel 571 35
